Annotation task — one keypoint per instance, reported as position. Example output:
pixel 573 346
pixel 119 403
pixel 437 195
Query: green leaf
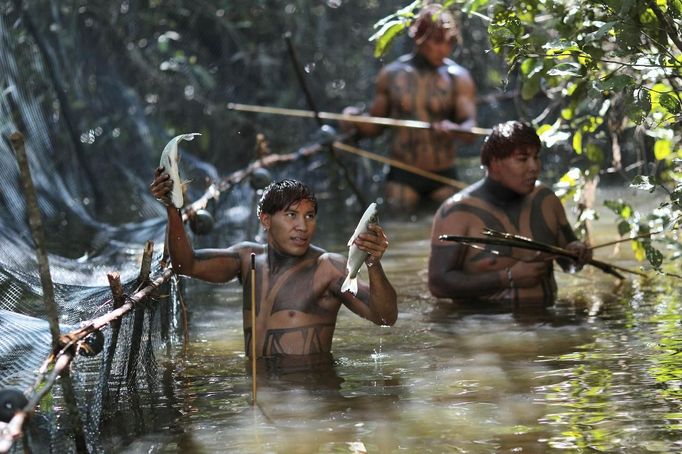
pixel 594 153
pixel 675 8
pixel 499 37
pixel 626 6
pixel 565 69
pixel 560 46
pixel 551 137
pixel 642 182
pixel 644 99
pixel 406 12
pixel 671 103
pixel 624 228
pixel 662 149
pixel 385 35
pixel 568 112
pixel 578 142
pixel 597 35
pixel 531 67
pixel 617 82
pixel 622 209
pixel 530 87
pixel 653 255
pixel 638 105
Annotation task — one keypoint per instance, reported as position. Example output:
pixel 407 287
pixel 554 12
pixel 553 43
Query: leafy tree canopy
pixel 610 71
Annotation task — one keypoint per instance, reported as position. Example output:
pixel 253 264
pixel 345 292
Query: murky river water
pixel 599 372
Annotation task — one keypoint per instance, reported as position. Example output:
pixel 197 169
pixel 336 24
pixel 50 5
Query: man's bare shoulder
pixel 542 191
pixel 464 197
pixel 333 259
pixel 399 65
pixel 456 69
pixel 245 248
pixel 459 215
pixel 544 197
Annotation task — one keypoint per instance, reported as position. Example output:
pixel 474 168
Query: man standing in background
pixel 508 199
pixel 427 86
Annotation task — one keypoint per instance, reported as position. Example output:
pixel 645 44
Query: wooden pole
pixel 315 114
pixel 414 124
pixel 38 233
pixel 253 327
pixel 412 169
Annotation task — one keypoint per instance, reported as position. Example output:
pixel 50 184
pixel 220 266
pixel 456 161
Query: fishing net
pixel 91 151
pixel 82 250
pixel 97 215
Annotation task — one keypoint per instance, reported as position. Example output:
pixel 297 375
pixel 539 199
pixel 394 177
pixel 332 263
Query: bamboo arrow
pixel 623 240
pixel 412 169
pixel 416 124
pixel 550 249
pixel 506 239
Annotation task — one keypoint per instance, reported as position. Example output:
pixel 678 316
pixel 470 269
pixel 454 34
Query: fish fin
pixel 350 285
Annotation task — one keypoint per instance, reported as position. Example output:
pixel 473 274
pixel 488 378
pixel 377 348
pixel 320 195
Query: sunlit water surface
pixel 599 372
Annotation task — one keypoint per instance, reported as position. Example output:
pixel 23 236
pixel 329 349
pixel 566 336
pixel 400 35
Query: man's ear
pixel 265 221
pixel 494 167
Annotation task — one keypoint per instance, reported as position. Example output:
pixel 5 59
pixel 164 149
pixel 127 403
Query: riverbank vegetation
pixel 610 76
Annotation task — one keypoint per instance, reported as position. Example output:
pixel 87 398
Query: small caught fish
pixel 169 161
pixel 356 257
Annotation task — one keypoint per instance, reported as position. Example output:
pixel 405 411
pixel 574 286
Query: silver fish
pixel 356 257
pixel 169 161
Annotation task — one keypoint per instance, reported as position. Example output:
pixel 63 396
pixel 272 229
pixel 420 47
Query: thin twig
pixel 623 240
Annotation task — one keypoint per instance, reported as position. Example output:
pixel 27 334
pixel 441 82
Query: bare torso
pixel 537 215
pixel 415 90
pixel 297 300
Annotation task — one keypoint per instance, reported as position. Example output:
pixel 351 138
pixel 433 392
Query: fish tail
pixel 350 285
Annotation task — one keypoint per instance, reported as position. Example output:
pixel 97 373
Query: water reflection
pixel 598 371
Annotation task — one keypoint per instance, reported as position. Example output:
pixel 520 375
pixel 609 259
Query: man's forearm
pixel 179 246
pixel 382 296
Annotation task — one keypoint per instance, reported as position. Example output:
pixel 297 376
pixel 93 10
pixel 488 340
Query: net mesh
pixel 91 158
pixel 92 227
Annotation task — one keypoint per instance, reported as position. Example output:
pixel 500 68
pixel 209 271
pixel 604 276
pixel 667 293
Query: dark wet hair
pixel 435 22
pixel 507 137
pixel 282 194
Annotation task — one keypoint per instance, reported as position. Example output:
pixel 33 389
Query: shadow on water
pixel 598 371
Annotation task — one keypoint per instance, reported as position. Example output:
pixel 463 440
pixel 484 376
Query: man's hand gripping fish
pixel 356 257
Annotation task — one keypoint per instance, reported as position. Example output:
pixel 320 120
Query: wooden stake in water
pixel 253 326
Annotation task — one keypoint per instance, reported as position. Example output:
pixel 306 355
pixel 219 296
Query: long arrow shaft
pixel 506 241
pixel 415 124
pixel 412 169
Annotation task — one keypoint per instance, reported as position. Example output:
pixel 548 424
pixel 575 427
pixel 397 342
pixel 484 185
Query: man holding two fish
pixel 298 291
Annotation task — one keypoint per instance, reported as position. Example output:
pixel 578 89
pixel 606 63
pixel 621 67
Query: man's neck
pixel 499 194
pixel 278 260
pixel 421 63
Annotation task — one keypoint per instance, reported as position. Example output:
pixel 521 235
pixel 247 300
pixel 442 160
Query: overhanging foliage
pixel 611 72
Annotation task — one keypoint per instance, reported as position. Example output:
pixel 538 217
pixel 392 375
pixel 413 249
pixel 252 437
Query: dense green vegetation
pixel 601 81
pixel 611 73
